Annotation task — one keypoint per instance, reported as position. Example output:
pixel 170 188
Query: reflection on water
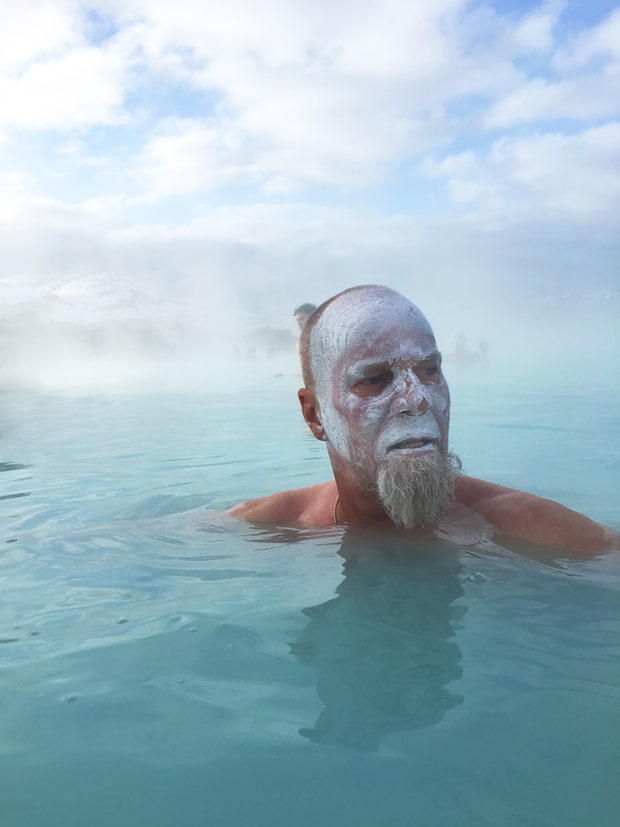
pixel 11 466
pixel 383 648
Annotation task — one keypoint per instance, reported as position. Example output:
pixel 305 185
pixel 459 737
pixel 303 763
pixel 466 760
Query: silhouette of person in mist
pixel 303 313
pixel 383 648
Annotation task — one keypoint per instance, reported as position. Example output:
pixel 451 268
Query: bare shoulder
pixel 525 516
pixel 308 506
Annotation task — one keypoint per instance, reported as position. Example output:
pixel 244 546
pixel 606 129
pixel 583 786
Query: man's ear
pixel 311 413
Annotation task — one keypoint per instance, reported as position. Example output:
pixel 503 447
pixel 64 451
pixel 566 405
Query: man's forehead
pixel 373 319
pixel 369 324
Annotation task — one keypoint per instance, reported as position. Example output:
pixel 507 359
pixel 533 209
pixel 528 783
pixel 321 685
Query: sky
pixel 207 161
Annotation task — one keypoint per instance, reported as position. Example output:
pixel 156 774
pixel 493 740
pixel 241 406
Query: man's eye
pixel 430 371
pixel 374 383
pixel 373 380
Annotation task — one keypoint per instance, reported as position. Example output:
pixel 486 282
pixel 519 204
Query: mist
pixel 233 341
pixel 212 309
pixel 139 355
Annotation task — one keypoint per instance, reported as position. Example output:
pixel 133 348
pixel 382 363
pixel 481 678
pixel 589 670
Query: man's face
pixel 381 392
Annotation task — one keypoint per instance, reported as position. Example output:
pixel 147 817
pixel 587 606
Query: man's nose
pixel 411 398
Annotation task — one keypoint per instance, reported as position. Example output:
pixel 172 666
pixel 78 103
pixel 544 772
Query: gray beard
pixel 420 491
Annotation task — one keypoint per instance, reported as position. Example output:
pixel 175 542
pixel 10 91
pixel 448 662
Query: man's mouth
pixel 412 444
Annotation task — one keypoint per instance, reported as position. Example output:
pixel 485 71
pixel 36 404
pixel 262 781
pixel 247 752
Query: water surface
pixel 164 664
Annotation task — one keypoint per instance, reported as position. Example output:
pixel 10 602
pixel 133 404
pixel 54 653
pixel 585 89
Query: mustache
pixel 410 434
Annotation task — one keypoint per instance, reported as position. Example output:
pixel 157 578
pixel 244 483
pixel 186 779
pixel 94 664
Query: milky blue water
pixel 162 664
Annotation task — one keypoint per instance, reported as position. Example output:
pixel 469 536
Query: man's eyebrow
pixel 429 357
pixel 358 368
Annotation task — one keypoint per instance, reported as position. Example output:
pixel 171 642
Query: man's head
pixel 303 313
pixel 376 395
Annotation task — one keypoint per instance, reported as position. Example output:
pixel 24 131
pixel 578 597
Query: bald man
pixel 376 395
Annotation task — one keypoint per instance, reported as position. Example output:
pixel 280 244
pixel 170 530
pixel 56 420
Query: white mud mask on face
pixel 364 326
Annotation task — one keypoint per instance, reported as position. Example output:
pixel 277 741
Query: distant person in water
pixel 375 394
pixel 461 356
pixel 303 313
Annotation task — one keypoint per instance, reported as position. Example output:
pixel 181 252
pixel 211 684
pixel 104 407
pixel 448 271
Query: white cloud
pixel 83 87
pixel 188 156
pixel 337 95
pixel 577 173
pixel 309 94
pixel 535 32
pixel 36 30
pixel 580 99
pixel 581 83
pixel 602 42
pixel 319 95
pixel 297 95
pixel 14 185
pixel 546 175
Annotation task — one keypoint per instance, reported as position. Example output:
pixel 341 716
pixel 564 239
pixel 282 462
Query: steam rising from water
pixel 127 346
pixel 135 355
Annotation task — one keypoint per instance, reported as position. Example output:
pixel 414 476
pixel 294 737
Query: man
pixel 375 394
pixel 303 313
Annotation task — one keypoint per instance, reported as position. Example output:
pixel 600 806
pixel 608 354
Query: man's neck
pixel 357 506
